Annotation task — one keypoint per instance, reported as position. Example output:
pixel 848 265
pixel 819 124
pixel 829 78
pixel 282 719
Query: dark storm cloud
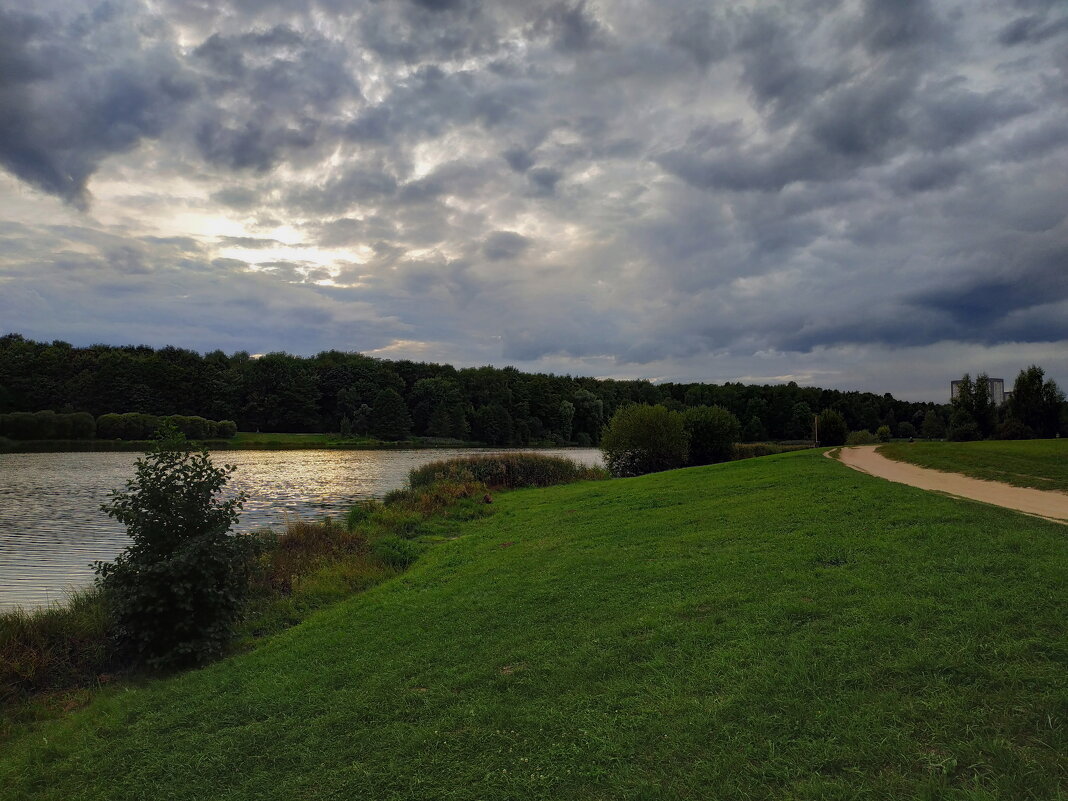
pixel 501 245
pixel 75 91
pixel 694 183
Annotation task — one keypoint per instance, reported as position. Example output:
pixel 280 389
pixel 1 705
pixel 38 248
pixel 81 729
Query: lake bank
pixel 51 528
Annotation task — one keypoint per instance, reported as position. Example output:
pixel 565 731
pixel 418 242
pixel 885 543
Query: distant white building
pixel 995 385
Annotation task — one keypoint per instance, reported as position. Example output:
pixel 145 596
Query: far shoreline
pixel 248 441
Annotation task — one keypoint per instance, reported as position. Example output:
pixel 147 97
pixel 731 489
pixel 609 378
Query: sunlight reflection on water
pixel 51 526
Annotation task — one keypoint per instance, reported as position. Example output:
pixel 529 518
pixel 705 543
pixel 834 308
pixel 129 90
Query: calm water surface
pixel 51 526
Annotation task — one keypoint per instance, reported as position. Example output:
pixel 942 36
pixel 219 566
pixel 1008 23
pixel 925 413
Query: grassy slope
pixel 773 628
pixel 1038 463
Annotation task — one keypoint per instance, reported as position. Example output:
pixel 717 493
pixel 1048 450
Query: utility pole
pixel 815 431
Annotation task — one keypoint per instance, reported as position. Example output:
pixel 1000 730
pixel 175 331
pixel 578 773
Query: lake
pixel 51 526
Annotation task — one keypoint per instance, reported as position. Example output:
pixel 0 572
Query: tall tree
pixel 389 416
pixel 1036 402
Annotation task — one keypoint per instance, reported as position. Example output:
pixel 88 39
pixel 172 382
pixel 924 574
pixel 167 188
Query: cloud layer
pixel 822 190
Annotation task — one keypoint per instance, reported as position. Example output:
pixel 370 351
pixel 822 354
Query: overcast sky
pixel 854 194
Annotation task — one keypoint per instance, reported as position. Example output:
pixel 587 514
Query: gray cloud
pixel 500 245
pixel 610 188
pixel 79 88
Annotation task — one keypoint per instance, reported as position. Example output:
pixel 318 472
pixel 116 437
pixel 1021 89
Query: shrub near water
pixel 177 588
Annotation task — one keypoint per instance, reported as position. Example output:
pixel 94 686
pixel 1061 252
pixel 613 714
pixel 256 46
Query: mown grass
pixel 770 628
pixel 1036 463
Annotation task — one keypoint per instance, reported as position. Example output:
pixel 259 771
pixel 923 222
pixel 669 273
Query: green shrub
pixel 643 439
pixel 832 428
pixel 1013 429
pixel 395 552
pixel 176 590
pixel 82 426
pixel 226 429
pixel 713 432
pixel 883 433
pixel 505 471
pixel 20 426
pixel 906 430
pixel 862 437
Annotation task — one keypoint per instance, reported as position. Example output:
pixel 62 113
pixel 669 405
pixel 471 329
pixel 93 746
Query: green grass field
pixel 1038 463
pixel 774 628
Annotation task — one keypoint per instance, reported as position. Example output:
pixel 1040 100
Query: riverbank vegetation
pixel 1039 464
pixel 354 395
pixel 725 631
pixel 50 656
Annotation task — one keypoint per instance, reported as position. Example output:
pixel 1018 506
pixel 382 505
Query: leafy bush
pixel 1013 429
pixel 643 439
pixel 177 588
pixel 862 437
pixel 832 428
pixel 226 429
pixel 713 432
pixel 82 426
pixel 883 433
pixel 48 425
pixel 505 471
pixel 906 430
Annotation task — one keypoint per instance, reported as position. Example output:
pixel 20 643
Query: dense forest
pixel 351 393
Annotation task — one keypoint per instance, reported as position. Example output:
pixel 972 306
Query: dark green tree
pixel 643 439
pixel 832 428
pixel 493 425
pixel 1036 402
pixel 713 432
pixel 389 416
pixel 933 426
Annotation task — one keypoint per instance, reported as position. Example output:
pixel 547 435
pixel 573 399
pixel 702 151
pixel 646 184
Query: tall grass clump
pixel 505 471
pixel 57 647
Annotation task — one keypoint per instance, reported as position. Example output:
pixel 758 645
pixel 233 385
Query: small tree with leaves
pixel 179 585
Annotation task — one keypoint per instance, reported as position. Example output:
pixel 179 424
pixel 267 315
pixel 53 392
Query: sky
pixel 855 194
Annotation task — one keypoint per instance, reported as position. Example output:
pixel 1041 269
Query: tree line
pixel 1035 409
pixel 350 393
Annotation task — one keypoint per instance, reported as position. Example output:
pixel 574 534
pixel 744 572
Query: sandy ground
pixel 1042 503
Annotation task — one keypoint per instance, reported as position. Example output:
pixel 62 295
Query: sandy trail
pixel 1042 503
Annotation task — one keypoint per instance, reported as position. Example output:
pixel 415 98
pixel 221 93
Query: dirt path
pixel 1042 503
